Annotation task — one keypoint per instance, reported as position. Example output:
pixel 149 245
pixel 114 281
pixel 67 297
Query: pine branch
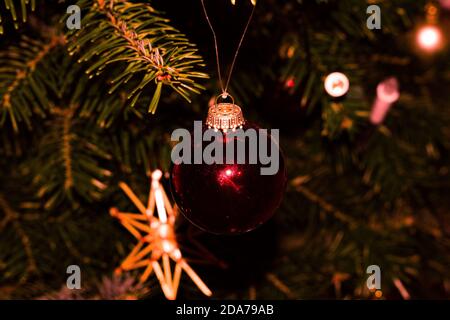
pixel 68 163
pixel 140 150
pixel 324 205
pixel 66 148
pixel 70 158
pixel 24 94
pixel 11 6
pixel 12 217
pixel 135 39
pixel 125 287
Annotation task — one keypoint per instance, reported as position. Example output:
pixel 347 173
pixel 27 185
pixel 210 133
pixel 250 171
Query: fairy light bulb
pixel 445 4
pixel 387 94
pixel 429 38
pixel 336 84
pixel 290 83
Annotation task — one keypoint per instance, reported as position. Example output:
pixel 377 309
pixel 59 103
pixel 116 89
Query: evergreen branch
pixel 139 149
pixel 146 49
pixel 69 161
pixel 67 164
pixel 280 285
pixel 12 217
pixel 325 206
pixel 11 6
pixel 66 148
pixel 24 92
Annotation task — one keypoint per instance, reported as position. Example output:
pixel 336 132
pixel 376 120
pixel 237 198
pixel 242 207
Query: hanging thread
pixel 222 87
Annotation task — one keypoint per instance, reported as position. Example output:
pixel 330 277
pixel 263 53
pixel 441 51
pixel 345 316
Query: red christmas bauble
pixel 228 198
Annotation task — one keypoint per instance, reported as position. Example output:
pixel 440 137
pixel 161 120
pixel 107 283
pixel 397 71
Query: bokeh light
pixel 429 38
pixel 337 84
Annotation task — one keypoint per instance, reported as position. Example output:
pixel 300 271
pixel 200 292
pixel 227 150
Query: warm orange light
pixel 429 38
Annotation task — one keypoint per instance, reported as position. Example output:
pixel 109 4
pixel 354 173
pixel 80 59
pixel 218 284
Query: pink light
pixel 387 93
pixel 445 4
pixel 388 90
pixel 429 38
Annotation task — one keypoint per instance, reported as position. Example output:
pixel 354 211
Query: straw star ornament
pixel 153 227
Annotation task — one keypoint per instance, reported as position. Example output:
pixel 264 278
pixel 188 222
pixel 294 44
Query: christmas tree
pixel 91 90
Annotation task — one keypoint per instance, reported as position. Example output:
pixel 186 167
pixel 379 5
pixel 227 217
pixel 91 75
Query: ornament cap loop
pixel 225 116
pixel 224 95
